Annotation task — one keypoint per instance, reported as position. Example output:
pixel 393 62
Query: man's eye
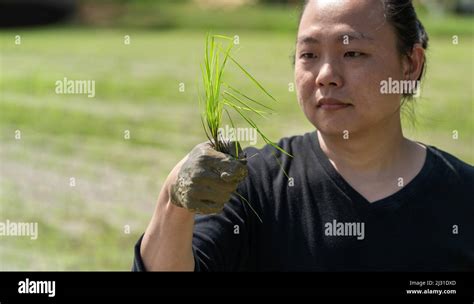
pixel 307 56
pixel 353 54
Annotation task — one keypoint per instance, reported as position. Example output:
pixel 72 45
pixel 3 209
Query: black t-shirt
pixel 313 220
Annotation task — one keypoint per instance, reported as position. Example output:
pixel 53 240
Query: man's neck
pixel 372 154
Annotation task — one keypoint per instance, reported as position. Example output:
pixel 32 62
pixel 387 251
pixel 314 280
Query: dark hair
pixel 402 16
pixel 408 28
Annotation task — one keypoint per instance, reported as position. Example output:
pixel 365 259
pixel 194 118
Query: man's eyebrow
pixel 306 39
pixel 355 36
pixel 348 36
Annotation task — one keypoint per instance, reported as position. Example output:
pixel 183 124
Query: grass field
pixel 138 89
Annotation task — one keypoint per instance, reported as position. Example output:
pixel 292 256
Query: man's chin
pixel 331 132
pixel 334 129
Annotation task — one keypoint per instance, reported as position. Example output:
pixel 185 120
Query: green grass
pixel 137 89
pixel 274 18
pixel 186 14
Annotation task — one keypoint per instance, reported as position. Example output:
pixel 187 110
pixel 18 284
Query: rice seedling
pixel 219 96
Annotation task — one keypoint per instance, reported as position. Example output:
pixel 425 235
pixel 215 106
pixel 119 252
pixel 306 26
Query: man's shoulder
pixel 271 157
pixel 451 166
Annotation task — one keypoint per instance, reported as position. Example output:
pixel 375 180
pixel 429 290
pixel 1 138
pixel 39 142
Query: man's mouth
pixel 331 104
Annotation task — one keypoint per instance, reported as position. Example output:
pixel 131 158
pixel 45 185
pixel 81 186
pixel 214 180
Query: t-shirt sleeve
pixel 138 265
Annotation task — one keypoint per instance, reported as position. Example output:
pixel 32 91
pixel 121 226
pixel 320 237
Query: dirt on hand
pixel 207 179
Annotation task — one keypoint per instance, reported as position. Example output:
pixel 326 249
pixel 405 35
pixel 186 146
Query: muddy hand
pixel 207 179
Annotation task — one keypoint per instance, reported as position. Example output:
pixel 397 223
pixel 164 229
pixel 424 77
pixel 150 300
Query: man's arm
pixel 206 181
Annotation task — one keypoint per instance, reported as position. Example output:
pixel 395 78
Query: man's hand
pixel 206 179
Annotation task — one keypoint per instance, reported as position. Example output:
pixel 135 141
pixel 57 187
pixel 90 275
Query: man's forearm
pixel 167 243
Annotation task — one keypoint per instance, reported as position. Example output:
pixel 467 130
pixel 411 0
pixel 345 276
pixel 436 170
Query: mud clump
pixel 207 179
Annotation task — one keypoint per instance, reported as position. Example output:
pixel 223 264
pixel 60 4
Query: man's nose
pixel 328 76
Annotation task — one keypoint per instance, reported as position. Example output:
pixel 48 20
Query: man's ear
pixel 413 62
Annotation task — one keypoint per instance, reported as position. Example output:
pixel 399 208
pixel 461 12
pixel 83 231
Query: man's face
pixel 345 48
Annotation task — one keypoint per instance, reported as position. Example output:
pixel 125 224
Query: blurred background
pixel 88 170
